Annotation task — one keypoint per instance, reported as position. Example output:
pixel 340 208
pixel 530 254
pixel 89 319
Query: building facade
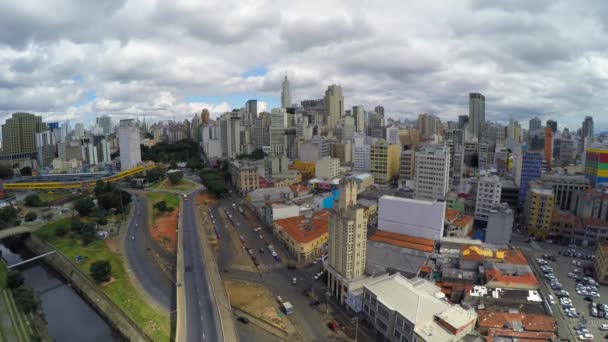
pixel 129 142
pixel 432 175
pixel 488 196
pixel 539 210
pixel 384 161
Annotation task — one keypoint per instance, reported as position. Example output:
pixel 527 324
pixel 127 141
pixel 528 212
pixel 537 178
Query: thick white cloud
pixel 539 58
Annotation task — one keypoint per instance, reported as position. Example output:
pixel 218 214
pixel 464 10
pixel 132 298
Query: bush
pixel 26 171
pixel 175 176
pixel 102 221
pixel 26 299
pixel 88 233
pixel 8 214
pixel 84 206
pixel 33 200
pixel 61 231
pixel 101 270
pixel 14 280
pixel 30 216
pixel 161 206
pixel 76 225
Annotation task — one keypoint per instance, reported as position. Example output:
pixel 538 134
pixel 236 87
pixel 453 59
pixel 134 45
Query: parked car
pixel 243 319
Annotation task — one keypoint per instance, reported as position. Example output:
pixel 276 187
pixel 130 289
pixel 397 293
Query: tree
pixel 84 206
pixel 161 206
pixel 112 199
pixel 154 175
pixel 26 299
pixel 88 233
pixel 194 164
pixel 33 200
pixel 100 187
pixel 101 270
pixel 6 173
pixel 8 214
pixel 175 176
pixel 26 171
pixel 61 231
pixel 14 280
pixel 102 221
pixel 30 216
pixel 76 225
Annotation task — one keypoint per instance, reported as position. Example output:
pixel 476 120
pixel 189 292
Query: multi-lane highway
pixel 141 251
pixel 202 322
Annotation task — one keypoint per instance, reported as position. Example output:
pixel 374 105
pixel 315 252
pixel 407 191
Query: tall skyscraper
pixel 347 240
pixel 205 116
pixel 379 110
pixel 128 142
pixel 230 134
pixel 587 130
pixel 285 94
pixel 105 122
pixel 359 115
pixel 432 175
pixel 552 124
pixel 531 166
pixel 535 126
pixel 19 133
pixel 428 125
pixel 596 164
pixel 277 131
pixel 334 105
pixel 488 196
pixel 548 147
pixel 195 128
pixel 477 114
pixel 251 106
pixel 462 120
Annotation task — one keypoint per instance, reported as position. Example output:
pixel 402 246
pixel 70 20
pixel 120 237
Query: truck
pixel 287 308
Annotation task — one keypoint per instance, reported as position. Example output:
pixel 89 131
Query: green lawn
pixel 183 185
pixel 170 199
pixel 156 324
pixel 3 272
pixel 14 325
pixel 50 196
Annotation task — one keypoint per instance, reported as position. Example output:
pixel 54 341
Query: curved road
pixel 202 322
pixel 139 248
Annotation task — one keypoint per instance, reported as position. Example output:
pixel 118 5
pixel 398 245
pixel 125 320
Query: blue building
pixel 531 166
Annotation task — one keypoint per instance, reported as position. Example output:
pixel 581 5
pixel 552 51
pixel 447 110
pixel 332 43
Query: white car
pixel 604 326
pixel 585 337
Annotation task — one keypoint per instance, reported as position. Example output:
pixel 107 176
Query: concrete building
pixel 587 128
pixel 477 114
pixel 408 165
pixel 327 168
pixel 245 175
pixel 384 161
pixel 531 166
pixel 538 211
pixel 261 129
pixel 376 126
pixel 305 237
pixel 361 158
pixel 432 175
pixel 488 196
pixel 535 126
pixel 342 151
pixel 564 186
pixel 129 144
pixel 230 135
pixel 45 147
pixel 400 309
pixel 348 128
pixel 416 218
pixel 285 94
pixel 105 122
pixel 428 125
pixel 358 113
pixel 334 105
pixel 347 241
pixel 500 225
pixel 457 224
pixel 548 151
pixel 596 164
pixel 19 134
pixel 277 131
pixel 600 265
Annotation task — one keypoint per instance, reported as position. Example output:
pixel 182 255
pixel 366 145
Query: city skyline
pixel 519 55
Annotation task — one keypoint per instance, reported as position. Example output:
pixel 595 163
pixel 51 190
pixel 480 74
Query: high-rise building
pixel 587 129
pixel 462 120
pixel 531 166
pixel 548 147
pixel 105 122
pixel 408 165
pixel 19 134
pixel 230 135
pixel 129 144
pixel 429 125
pixel 488 196
pixel 535 126
pixel 359 114
pixel 379 110
pixel 376 126
pixel 361 158
pixel 251 106
pixel 553 125
pixel 205 116
pixel 596 164
pixel 477 114
pixel 539 208
pixel 564 187
pixel 432 175
pixel 45 146
pixel 514 131
pixel 195 128
pixel 285 94
pixel 347 240
pixel 277 131
pixel 334 105
pixel 261 129
pixel 384 161
pixel 348 128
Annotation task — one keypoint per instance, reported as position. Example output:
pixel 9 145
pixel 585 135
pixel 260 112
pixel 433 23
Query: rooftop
pixel 304 229
pixel 509 256
pixel 401 240
pixel 529 322
pixel 388 258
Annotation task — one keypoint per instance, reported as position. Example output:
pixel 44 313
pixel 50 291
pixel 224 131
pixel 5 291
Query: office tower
pixel 587 129
pixel 348 128
pixel 347 240
pixel 553 125
pixel 105 122
pixel 535 126
pixel 361 158
pixel 195 128
pixel 548 147
pixel 205 116
pixel 19 134
pixel 453 137
pixel 564 150
pixel 79 131
pixel 531 166
pixel 277 131
pixel 462 120
pixel 375 128
pixel 261 129
pixel 514 131
pixel 104 152
pixel 564 187
pixel 486 154
pixel 45 147
pixel 477 114
pixel 494 132
pixel 384 161
pixel 334 105
pixel 488 196
pixel 379 110
pixel 432 175
pixel 596 164
pixel 359 114
pixel 291 143
pixel 251 106
pixel 409 138
pixel 129 144
pixel 230 135
pixel 408 165
pixel 428 125
pixel 539 208
pixel 285 94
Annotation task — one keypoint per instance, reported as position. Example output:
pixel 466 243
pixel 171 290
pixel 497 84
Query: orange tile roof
pixel 401 240
pixel 565 216
pixel 298 188
pixel 451 214
pixel 530 322
pixel 524 279
pixel 463 221
pixel 595 222
pixel 509 256
pixel 305 229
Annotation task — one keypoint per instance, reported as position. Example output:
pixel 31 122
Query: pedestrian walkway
pixel 14 326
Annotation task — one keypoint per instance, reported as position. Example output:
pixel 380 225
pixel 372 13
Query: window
pixel 397 335
pixel 399 322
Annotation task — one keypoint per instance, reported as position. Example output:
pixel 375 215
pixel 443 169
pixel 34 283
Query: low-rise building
pixel 500 225
pixel 417 218
pixel 307 169
pixel 327 168
pixel 305 237
pixel 458 224
pixel 510 326
pixel 244 175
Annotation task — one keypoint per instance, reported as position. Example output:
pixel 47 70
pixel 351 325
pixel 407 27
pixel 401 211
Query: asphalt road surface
pixel 202 323
pixel 140 248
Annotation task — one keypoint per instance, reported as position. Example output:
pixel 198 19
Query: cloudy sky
pixel 78 59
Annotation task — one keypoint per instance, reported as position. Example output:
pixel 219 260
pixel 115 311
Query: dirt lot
pixel 163 230
pixel 258 301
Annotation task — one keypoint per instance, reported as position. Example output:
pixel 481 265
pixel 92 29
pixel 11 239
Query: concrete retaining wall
pixel 88 290
pixel 280 333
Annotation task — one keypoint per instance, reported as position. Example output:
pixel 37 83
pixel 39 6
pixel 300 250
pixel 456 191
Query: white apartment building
pixel 432 175
pixel 361 158
pixel 129 144
pixel 327 168
pixel 230 135
pixel 488 196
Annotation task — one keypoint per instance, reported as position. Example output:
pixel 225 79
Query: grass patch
pixel 51 196
pixel 183 185
pixel 156 324
pixel 154 197
pixel 3 273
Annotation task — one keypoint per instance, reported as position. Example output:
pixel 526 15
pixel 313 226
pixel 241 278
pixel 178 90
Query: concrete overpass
pixel 4 233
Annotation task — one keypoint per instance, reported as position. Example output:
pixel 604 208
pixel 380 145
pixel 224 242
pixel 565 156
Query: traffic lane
pixel 202 309
pixel 148 272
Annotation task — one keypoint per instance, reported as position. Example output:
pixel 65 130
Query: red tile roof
pixel 530 322
pixel 495 275
pixel 305 229
pixel 451 214
pixel 401 240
